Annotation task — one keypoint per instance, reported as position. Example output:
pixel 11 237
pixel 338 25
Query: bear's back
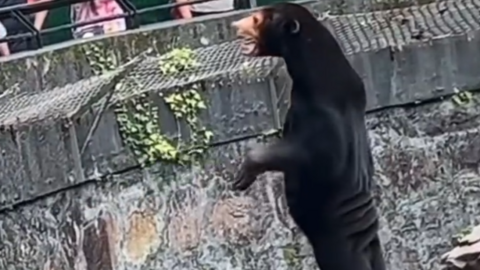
pixel 318 184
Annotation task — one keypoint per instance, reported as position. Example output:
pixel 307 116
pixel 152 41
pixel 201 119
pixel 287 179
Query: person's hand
pixel 4 49
pixel 40 16
pixel 185 12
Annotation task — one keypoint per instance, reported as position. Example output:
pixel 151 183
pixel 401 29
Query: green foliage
pixel 138 124
pixel 99 58
pixel 177 60
pixel 292 256
pixel 138 117
pixel 462 98
pixel 460 235
pixel 187 105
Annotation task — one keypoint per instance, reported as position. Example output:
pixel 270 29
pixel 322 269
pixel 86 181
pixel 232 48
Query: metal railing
pixel 131 13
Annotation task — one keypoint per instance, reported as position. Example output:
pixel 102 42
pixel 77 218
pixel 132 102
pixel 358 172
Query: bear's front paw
pixel 245 176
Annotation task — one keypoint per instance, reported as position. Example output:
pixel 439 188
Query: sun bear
pixel 324 151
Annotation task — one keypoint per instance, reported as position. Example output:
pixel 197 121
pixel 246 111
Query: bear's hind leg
pixel 377 262
pixel 338 255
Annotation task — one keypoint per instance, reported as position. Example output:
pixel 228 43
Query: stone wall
pixel 169 218
pixel 59 210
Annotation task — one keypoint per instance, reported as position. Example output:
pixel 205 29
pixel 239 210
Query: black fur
pixel 324 151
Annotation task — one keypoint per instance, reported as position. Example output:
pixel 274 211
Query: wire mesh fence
pixel 356 33
pixel 60 102
pixel 144 75
pixel 401 26
pixel 221 60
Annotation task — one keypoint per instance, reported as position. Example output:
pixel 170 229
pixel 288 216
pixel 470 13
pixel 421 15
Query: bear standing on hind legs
pixel 324 152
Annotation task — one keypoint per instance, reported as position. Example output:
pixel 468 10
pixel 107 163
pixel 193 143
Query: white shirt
pixel 3 31
pixel 213 6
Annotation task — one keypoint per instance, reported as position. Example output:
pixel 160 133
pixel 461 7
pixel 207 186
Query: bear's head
pixel 271 30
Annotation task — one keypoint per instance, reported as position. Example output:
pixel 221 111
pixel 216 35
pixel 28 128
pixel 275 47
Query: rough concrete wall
pixel 187 219
pixel 427 170
pixel 170 218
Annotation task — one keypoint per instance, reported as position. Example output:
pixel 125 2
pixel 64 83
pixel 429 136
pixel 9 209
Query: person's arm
pixel 184 11
pixel 4 49
pixel 40 16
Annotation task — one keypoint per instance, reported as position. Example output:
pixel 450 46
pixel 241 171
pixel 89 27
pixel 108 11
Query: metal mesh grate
pixel 399 27
pixel 222 60
pixel 356 33
pixel 59 102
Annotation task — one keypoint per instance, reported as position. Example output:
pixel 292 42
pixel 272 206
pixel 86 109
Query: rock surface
pixel 426 159
pixel 428 189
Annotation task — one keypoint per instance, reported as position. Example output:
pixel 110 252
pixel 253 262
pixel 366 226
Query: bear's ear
pixel 292 27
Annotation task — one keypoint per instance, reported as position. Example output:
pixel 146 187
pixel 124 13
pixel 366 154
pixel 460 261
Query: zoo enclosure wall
pixel 58 86
pixel 143 12
pixel 42 138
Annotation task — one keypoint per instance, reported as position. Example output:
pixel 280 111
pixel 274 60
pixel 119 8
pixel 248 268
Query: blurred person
pixel 205 8
pixel 15 27
pixel 96 9
pixel 4 50
pixel 39 18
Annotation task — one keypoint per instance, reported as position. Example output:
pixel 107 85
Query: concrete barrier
pixel 64 208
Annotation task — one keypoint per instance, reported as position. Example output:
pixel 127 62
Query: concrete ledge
pixel 393 75
pixel 384 52
pixel 427 174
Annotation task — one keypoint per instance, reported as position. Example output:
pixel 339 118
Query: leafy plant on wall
pixel 138 116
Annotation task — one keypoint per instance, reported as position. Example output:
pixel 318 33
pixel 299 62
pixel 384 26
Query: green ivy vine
pixel 138 117
pixel 462 98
